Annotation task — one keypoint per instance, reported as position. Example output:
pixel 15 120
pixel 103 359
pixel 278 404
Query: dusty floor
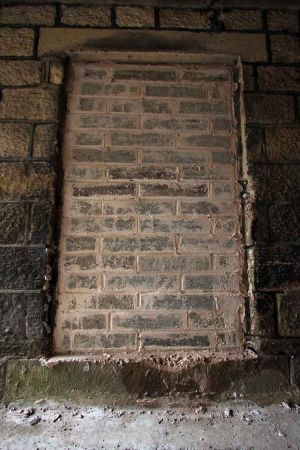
pixel 233 425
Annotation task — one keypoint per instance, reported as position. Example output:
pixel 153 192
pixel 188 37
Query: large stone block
pixel 28 14
pixel 147 321
pixel 185 18
pixel 29 104
pixel 283 143
pixel 13 218
pixel 44 141
pixel 275 78
pixel 20 73
pixel 238 19
pixel 269 109
pixel 134 16
pixel 178 301
pixel 22 268
pixel 92 15
pixel 280 20
pixel 15 140
pixel 285 48
pixel 16 42
pixel 284 222
pixel 138 244
pixel 288 305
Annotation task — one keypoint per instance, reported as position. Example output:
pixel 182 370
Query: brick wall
pixel 268 42
pixel 149 247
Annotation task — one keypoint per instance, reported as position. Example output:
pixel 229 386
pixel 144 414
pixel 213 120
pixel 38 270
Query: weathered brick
pixel 204 207
pixel 143 172
pixel 283 144
pixel 207 244
pixel 16 42
pixel 77 173
pixel 218 75
pixel 283 20
pixel 220 124
pixel 279 78
pixel 135 16
pixel 176 124
pixel 141 207
pixel 14 140
pixel 106 121
pixel 22 268
pixel 203 107
pixel 85 207
pixel 29 104
pixel 185 18
pixel 119 90
pixel 104 156
pixel 56 73
pixel 205 141
pixel 117 105
pixel 174 263
pixel 157 107
pixel 81 282
pixel 79 262
pixel 85 72
pixel 104 189
pixel 289 314
pixel 88 322
pixel 138 244
pixel 99 301
pixel 175 226
pixel 178 301
pixel 226 225
pixel 144 139
pixel 144 75
pixel 223 189
pixel 285 49
pixel 211 282
pixel 146 321
pixel 175 340
pixel 207 172
pixel 174 190
pixel 173 156
pixel 112 262
pixel 92 15
pixel 269 109
pixel 88 138
pixel 142 282
pixel 28 14
pixel 82 243
pixel 13 316
pixel 175 91
pixel 20 73
pixel 12 223
pixel 96 341
pixel 225 263
pixel 44 141
pixel 238 19
pixel 88 104
pixel 199 320
pixel 97 225
pixel 222 157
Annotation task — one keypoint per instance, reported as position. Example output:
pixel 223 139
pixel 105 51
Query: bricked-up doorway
pixel 150 247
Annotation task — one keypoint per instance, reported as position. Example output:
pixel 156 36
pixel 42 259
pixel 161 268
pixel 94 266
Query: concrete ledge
pixel 126 379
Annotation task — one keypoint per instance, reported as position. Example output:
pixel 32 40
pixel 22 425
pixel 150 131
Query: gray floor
pixel 233 425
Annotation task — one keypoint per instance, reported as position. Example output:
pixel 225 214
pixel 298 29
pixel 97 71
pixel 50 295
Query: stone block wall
pixel 150 242
pixel 268 42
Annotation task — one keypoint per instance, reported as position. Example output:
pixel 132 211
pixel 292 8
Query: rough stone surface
pixel 14 140
pixel 239 20
pixel 283 144
pixel 289 314
pixel 93 16
pixel 279 78
pixel 44 141
pixel 269 109
pixel 13 223
pixel 283 21
pixel 185 18
pixel 20 73
pixel 129 16
pixel 285 48
pixel 31 103
pixel 28 14
pixel 16 42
